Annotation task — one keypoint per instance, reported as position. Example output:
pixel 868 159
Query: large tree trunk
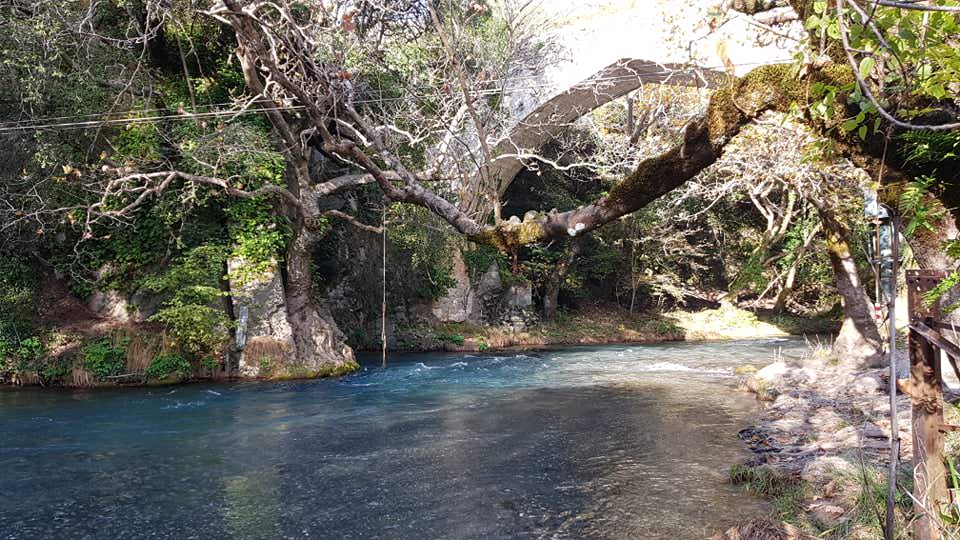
pixel 858 344
pixel 283 332
pixel 551 295
pixel 320 346
pixel 551 290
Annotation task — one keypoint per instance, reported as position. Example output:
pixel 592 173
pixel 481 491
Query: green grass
pixel 862 493
pixel 787 493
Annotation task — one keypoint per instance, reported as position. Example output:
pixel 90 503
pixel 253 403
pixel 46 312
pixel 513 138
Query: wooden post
pixel 926 399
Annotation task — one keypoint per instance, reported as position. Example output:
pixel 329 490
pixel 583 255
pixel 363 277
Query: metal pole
pixel 892 336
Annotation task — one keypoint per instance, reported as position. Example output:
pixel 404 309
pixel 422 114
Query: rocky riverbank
pixel 821 450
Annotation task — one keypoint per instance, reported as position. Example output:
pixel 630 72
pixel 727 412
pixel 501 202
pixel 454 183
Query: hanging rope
pixel 383 310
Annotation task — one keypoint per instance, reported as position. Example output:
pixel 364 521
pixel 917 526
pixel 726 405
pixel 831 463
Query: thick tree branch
pixel 774 87
pixel 352 221
pixel 148 186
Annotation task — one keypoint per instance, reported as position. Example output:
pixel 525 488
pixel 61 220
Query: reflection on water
pixel 599 442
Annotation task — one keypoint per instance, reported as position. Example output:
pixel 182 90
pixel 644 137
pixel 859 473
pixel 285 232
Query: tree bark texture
pixel 858 344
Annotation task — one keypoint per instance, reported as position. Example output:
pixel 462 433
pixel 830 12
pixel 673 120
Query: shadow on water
pixel 602 442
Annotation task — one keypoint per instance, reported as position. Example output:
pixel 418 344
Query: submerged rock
pixel 758 440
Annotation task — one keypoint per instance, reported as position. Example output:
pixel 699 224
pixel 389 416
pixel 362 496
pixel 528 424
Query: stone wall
pixel 486 301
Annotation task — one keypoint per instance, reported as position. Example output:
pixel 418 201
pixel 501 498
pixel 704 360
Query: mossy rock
pixel 745 370
pixel 296 372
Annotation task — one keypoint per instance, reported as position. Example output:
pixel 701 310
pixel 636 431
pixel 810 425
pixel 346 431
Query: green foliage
pixel 6 350
pixel 813 285
pixel 599 261
pixel 186 215
pixel 951 516
pixel 950 282
pixel 195 279
pixel 257 233
pixel 138 144
pixel 21 355
pixel 917 206
pixel 29 351
pixel 266 367
pixel 456 339
pixel 259 236
pixel 930 147
pixel 920 40
pixel 481 258
pixel 912 58
pixel 429 256
pixel 128 251
pixel 18 297
pixel 752 274
pixel 165 365
pixel 198 330
pixel 55 370
pixel 210 363
pixel 105 359
pixel 192 287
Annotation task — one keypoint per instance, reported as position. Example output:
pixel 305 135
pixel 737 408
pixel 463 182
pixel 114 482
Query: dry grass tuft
pixel 26 378
pixel 81 378
pixel 262 347
pixel 142 348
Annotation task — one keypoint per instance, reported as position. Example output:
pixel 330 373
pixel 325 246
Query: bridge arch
pixel 518 147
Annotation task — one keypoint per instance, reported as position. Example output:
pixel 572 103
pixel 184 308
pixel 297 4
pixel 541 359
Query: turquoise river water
pixel 586 442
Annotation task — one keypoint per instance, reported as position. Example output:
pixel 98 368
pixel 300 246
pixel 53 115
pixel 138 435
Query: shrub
pixel 27 353
pixel 786 492
pixel 265 366
pixel 197 329
pixel 55 370
pixel 104 359
pixel 421 257
pixel 193 289
pixel 5 354
pixel 18 298
pixel 20 356
pixel 166 365
pixel 456 339
pixel 481 258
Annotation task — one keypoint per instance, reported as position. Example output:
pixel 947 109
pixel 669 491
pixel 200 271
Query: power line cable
pixel 47 125
pixel 33 124
pixel 208 105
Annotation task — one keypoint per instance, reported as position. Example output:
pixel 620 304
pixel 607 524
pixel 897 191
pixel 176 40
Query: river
pixel 585 442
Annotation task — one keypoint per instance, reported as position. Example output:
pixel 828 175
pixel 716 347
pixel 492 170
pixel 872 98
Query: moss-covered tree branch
pixel 768 88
